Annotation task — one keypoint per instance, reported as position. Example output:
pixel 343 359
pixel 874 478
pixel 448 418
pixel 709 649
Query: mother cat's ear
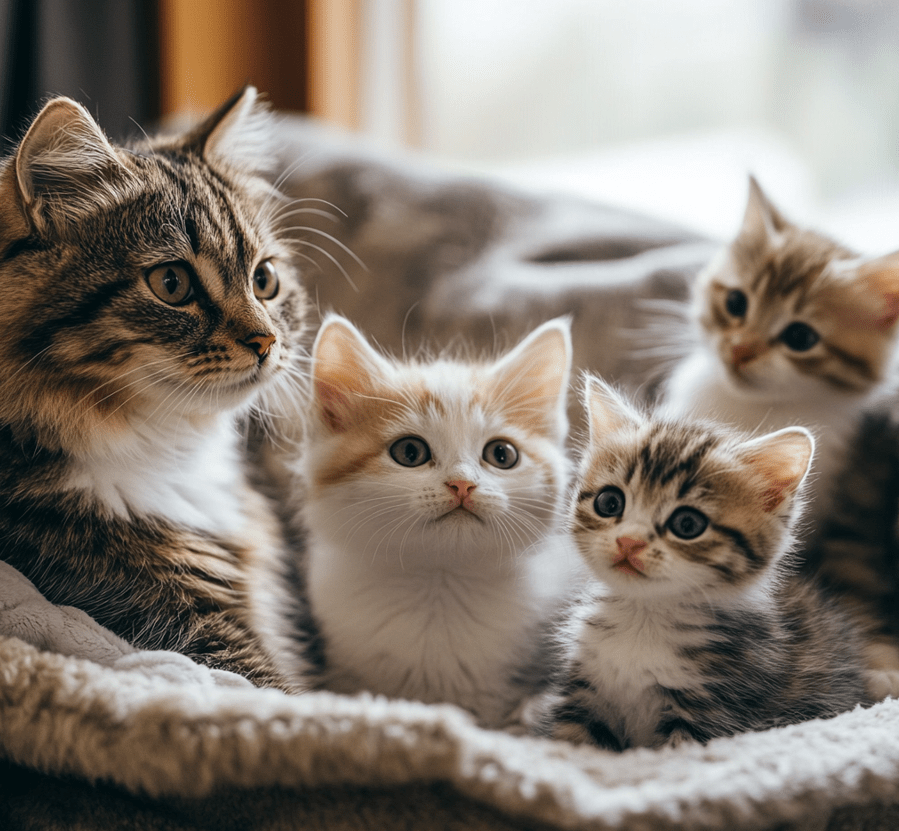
pixel 64 169
pixel 238 133
pixel 608 410
pixel 346 371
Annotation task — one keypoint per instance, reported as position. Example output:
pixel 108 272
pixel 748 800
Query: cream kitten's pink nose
pixel 628 546
pixel 461 487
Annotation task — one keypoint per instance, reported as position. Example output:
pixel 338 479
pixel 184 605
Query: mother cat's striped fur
pixel 149 299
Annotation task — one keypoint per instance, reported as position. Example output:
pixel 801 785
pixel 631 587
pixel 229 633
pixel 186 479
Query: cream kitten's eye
pixel 609 502
pixel 410 451
pixel 171 283
pixel 736 303
pixel 687 523
pixel 265 281
pixel 800 337
pixel 501 454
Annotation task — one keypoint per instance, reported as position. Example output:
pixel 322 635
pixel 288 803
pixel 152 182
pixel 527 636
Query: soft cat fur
pixel 791 328
pixel 150 298
pixel 433 554
pixel 696 629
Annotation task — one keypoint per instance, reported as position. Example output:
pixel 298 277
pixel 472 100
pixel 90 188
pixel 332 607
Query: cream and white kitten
pixel 791 329
pixel 432 496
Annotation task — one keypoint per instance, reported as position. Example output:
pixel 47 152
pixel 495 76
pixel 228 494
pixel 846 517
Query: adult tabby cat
pixel 790 328
pixel 150 298
pixel 697 627
pixel 431 495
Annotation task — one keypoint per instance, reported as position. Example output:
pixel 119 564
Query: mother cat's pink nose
pixel 461 487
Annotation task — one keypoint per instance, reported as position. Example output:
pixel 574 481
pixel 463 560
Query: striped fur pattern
pixel 151 301
pixel 789 327
pixel 696 626
pixel 432 493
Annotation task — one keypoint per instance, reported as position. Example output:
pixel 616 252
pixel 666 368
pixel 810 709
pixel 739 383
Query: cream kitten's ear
pixel 608 409
pixel 781 460
pixel 532 379
pixel 237 133
pixel 65 166
pixel 762 220
pixel 345 370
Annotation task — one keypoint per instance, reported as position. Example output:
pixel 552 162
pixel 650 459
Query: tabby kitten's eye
pixel 609 502
pixel 687 523
pixel 800 337
pixel 736 303
pixel 265 280
pixel 171 283
pixel 410 451
pixel 501 454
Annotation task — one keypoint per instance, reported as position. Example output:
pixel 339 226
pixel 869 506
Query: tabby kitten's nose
pixel 260 342
pixel 628 545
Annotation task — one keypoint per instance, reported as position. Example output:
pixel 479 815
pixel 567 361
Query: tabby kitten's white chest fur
pixel 432 499
pixel 695 627
pixel 791 328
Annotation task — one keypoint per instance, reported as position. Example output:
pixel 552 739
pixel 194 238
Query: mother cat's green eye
pixel 171 283
pixel 265 281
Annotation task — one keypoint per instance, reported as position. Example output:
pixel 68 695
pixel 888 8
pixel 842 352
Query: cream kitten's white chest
pixel 436 634
pixel 189 478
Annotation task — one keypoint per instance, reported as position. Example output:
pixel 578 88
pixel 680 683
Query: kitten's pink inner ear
pixel 334 406
pixel 608 410
pixel 782 460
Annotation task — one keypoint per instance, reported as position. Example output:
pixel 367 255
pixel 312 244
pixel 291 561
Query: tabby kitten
pixel 150 300
pixel 791 328
pixel 696 628
pixel 431 495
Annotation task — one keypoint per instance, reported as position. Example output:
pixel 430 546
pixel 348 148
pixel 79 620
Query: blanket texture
pixel 95 735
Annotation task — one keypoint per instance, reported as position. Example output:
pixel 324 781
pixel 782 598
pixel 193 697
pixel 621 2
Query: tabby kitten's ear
pixel 345 372
pixel 780 460
pixel 533 378
pixel 878 291
pixel 608 410
pixel 64 169
pixel 762 220
pixel 238 133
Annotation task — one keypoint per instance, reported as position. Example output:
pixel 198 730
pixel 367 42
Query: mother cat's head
pixel 144 285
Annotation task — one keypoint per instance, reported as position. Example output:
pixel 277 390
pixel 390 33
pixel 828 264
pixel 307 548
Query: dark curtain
pixel 102 53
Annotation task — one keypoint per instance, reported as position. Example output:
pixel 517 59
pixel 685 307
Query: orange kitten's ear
pixel 879 280
pixel 65 166
pixel 762 220
pixel 781 460
pixel 532 380
pixel 345 371
pixel 608 409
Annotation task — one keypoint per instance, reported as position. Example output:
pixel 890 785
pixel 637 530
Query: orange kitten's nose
pixel 461 487
pixel 628 546
pixel 743 353
pixel 259 342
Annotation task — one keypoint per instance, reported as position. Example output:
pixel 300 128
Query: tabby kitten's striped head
pixel 145 284
pixel 422 462
pixel 791 314
pixel 667 508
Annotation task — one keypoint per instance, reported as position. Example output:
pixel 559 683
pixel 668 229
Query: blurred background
pixel 659 105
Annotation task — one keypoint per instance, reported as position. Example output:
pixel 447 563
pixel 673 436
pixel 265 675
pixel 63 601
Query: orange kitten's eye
pixel 171 283
pixel 410 451
pixel 687 523
pixel 265 280
pixel 736 303
pixel 500 453
pixel 800 337
pixel 609 502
